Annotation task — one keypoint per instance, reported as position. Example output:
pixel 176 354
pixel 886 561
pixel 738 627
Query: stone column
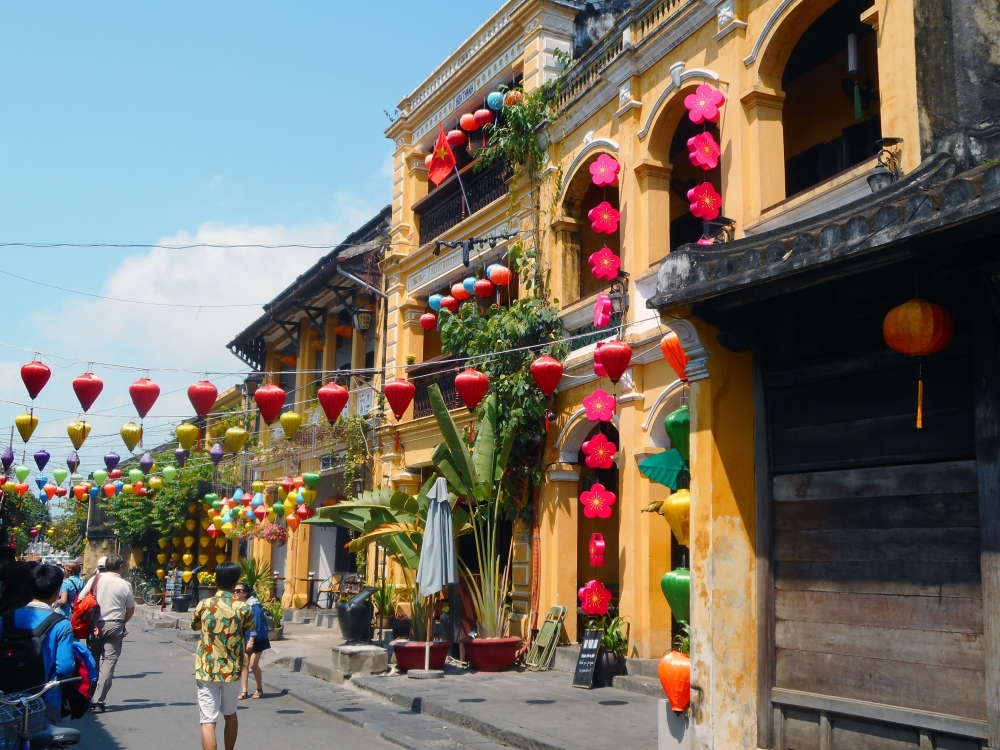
pixel 548 28
pixel 565 265
pixel 764 155
pixel 652 215
pixel 560 499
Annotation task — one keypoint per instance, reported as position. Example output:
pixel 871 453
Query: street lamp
pixel 362 321
pixel 887 171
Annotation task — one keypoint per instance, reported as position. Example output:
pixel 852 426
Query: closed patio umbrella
pixel 438 559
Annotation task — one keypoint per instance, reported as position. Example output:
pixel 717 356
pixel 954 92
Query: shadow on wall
pixel 596 20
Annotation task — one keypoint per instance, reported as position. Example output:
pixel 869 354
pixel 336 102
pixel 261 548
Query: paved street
pixel 152 706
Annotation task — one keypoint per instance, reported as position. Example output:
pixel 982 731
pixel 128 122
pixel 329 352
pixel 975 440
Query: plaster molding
pixel 766 31
pixel 563 473
pixel 728 29
pixel 761 97
pixel 678 76
pixel 595 144
pixel 669 391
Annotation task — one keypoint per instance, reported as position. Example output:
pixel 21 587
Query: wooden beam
pixel 986 399
pixel 765 571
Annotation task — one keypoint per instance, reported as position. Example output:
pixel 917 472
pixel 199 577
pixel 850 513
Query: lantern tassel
pixel 920 398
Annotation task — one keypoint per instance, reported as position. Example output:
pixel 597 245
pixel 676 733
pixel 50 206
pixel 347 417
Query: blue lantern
pixel 118 487
pixel 238 495
pixel 495 101
pixel 470 284
pixel 94 492
pixel 41 481
pixel 434 302
pixel 258 500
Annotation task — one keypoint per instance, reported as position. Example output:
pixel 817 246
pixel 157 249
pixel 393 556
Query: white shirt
pixel 114 594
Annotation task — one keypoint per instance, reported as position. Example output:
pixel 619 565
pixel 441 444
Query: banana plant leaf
pixel 663 468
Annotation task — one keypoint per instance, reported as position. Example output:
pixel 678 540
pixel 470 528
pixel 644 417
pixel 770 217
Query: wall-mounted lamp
pixel 362 321
pixel 887 170
pixel 252 383
pixel 619 295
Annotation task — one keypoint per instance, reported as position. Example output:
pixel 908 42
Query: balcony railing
pixel 440 370
pixel 595 334
pixel 444 207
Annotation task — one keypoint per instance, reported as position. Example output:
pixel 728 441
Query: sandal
pixel 243 696
pixel 258 694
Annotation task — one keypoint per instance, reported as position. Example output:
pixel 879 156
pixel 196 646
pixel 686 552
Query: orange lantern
pixel 675 355
pixel 918 328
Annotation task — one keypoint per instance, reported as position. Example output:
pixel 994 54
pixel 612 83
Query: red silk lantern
pixel 287 484
pixel 144 393
pixel 615 356
pixel 483 117
pixel 596 550
pixel 202 396
pixel 260 512
pixel 212 531
pixel 428 321
pixel 471 385
pixel 546 371
pixel 87 388
pixel 450 304
pixel 501 275
pixel 468 122
pixel 674 671
pixel 270 398
pixel 302 511
pixel 35 375
pixel 399 394
pixel 675 355
pixel 484 288
pixel 456 139
pixel 333 398
pixel 918 328
pixel 61 492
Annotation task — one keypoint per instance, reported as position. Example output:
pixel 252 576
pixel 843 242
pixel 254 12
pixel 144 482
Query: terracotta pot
pixel 410 654
pixel 491 654
pixel 674 670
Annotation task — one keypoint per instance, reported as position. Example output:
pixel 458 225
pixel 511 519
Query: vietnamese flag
pixel 442 159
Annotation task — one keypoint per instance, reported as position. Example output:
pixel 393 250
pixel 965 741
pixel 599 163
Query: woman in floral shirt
pixel 221 655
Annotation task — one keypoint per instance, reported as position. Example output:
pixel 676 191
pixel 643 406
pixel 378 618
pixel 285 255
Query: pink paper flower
pixel 604 264
pixel 597 502
pixel 599 370
pixel 705 241
pixel 604 218
pixel 704 151
pixel 600 406
pixel 605 170
pixel 703 105
pixel 705 202
pixel 594 599
pixel 600 452
pixel 602 311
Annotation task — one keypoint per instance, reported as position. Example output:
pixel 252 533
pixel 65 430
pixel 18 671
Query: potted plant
pixel 384 599
pixel 674 671
pixel 257 574
pixel 275 609
pixel 614 648
pixel 475 478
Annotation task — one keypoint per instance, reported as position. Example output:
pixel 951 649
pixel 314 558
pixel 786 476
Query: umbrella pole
pixel 427 643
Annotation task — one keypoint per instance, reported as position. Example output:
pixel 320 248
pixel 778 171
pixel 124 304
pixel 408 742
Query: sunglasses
pixel 240 591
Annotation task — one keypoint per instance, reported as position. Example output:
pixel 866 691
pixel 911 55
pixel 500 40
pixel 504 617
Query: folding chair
pixel 543 650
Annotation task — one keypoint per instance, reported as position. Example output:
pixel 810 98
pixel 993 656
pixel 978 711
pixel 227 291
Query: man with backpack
pixel 114 606
pixel 36 644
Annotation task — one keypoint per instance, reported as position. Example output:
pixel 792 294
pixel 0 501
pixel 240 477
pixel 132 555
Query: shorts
pixel 260 645
pixel 216 698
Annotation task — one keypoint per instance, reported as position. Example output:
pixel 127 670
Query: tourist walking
pixel 71 586
pixel 223 621
pixel 257 641
pixel 117 602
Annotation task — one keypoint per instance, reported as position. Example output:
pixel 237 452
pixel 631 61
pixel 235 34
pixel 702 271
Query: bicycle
pixel 23 724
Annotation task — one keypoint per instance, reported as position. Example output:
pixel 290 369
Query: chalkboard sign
pixel 589 647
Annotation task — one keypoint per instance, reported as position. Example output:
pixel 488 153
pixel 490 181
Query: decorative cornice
pixel 759 97
pixel 766 30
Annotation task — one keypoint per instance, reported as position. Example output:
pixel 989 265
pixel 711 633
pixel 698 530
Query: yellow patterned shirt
pixel 221 650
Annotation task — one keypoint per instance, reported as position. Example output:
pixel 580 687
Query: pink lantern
pixel 594 599
pixel 597 502
pixel 604 264
pixel 604 218
pixel 704 151
pixel 602 311
pixel 703 105
pixel 599 370
pixel 600 406
pixel 596 550
pixel 599 452
pixel 604 171
pixel 705 202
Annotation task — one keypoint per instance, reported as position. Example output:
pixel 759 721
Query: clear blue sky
pixel 139 122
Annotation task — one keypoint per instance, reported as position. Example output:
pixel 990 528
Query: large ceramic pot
pixel 609 666
pixel 410 654
pixel 491 654
pixel 180 602
pixel 355 621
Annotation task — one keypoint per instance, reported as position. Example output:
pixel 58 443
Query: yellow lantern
pixel 176 557
pixel 308 496
pixel 78 432
pixel 161 559
pixel 291 421
pixel 155 483
pixel 271 515
pixel 235 438
pixel 187 434
pixel 188 541
pixel 160 572
pixel 192 507
pixel 50 532
pixel 227 526
pixel 220 558
pixel 162 542
pixel 26 424
pixel 206 522
pixel 131 435
pixel 203 559
pixel 257 486
pixel 190 524
pixel 127 489
pixel 188 558
pixel 677 510
pixel 187 575
pixel 176 541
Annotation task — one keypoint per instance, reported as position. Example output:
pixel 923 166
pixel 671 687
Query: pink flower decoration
pixel 600 406
pixel 703 105
pixel 602 311
pixel 604 218
pixel 597 502
pixel 704 151
pixel 705 202
pixel 605 170
pixel 599 370
pixel 594 599
pixel 600 453
pixel 705 241
pixel 604 264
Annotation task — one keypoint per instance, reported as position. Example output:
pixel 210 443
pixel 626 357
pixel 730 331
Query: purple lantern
pixel 41 458
pixel 111 460
pixel 146 462
pixel 180 454
pixel 7 458
pixel 216 453
pixel 73 461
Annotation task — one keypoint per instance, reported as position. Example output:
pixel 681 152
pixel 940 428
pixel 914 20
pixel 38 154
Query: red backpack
pixel 86 619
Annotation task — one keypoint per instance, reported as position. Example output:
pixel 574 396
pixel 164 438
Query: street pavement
pixel 153 706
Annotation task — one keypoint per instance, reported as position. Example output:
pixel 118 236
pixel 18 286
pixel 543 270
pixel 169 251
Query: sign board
pixel 583 677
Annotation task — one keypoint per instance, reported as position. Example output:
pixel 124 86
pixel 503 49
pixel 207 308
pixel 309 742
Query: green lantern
pixel 60 474
pixel 311 479
pixel 676 587
pixel 678 427
pixel 100 476
pixel 135 475
pixel 169 472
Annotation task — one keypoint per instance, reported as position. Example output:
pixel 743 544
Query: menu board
pixel 583 677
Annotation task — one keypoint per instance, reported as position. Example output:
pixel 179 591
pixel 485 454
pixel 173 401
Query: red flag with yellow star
pixel 442 159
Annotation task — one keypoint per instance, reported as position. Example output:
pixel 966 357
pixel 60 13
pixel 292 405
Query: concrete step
pixel 566 656
pixel 642 685
pixel 643 667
